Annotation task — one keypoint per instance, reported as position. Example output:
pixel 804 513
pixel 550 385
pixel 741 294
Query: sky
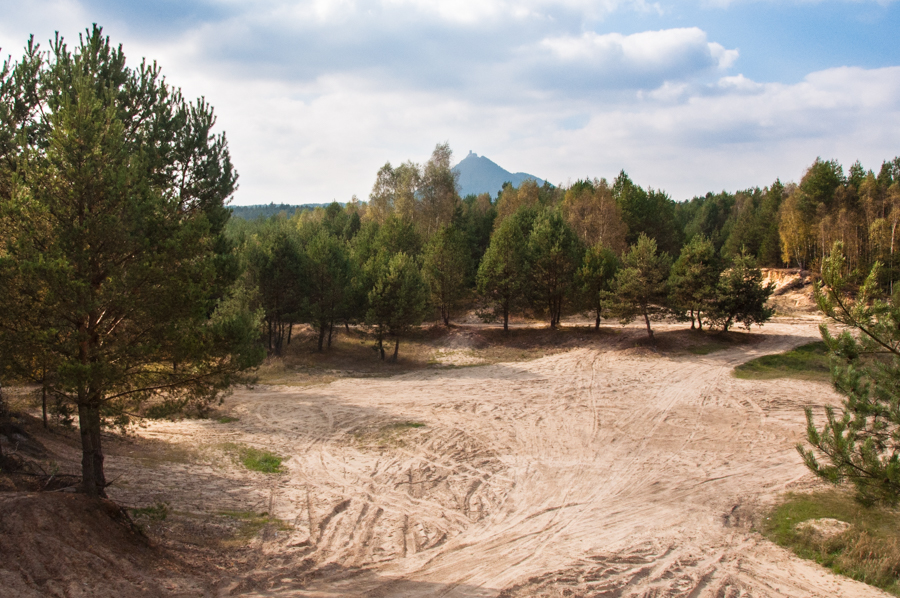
pixel 688 97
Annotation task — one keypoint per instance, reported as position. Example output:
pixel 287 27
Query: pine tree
pixel 503 273
pixel 446 264
pixel 595 278
pixel 555 255
pixel 397 301
pixel 640 285
pixel 692 282
pixel 860 443
pixel 740 295
pixel 113 264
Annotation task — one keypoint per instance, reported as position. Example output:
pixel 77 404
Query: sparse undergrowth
pixel 385 436
pixel 256 459
pixel 156 512
pixel 250 524
pixel 807 362
pixel 868 551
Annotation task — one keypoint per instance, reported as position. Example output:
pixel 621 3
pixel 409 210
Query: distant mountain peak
pixel 478 174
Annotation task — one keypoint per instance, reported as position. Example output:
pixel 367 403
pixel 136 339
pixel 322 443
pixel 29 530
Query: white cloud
pixel 315 96
pixel 649 50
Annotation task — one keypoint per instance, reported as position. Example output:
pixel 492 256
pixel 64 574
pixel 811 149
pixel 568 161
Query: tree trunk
pixel 322 327
pixel 647 321
pixel 347 326
pixel 290 330
pixel 330 332
pixel 699 321
pixel 381 348
pixel 597 323
pixel 396 349
pixel 692 318
pixel 44 401
pixel 93 482
pixel 505 320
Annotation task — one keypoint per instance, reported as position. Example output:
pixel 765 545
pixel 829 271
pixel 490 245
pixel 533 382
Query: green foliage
pixel 276 267
pixel 693 279
pixel 114 268
pixel 867 550
pixel 740 295
pixel 504 271
pixel 555 255
pixel 861 443
pixel 445 266
pixel 327 275
pixel 640 284
pixel 595 277
pixel 647 212
pixel 806 362
pixel 397 300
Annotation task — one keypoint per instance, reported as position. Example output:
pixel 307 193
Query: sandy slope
pixel 598 472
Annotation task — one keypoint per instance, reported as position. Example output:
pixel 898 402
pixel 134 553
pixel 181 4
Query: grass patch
pixel 227 419
pixel 250 523
pixel 705 349
pixel 868 551
pixel 256 459
pixel 155 512
pixel 807 362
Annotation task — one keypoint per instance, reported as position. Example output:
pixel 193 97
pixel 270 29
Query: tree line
pixel 418 251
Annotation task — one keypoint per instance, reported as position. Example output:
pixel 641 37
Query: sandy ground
pixel 608 470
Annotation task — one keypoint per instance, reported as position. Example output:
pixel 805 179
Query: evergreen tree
pixel 595 278
pixel 860 443
pixel 397 300
pixel 640 284
pixel 276 263
pixel 113 263
pixel 741 295
pixel 503 273
pixel 446 264
pixel 327 276
pixel 555 255
pixel 692 282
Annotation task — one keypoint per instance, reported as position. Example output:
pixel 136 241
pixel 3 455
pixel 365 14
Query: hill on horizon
pixel 478 174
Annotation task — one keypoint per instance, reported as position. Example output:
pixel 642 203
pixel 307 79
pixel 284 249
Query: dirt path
pixel 600 472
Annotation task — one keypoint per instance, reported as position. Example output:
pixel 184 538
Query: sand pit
pixel 596 472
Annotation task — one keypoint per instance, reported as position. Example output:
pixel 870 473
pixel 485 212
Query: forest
pixel 417 251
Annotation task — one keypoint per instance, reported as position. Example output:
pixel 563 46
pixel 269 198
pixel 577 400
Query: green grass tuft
pixel 869 551
pixel 255 459
pixel 227 419
pixel 807 362
pixel 258 460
